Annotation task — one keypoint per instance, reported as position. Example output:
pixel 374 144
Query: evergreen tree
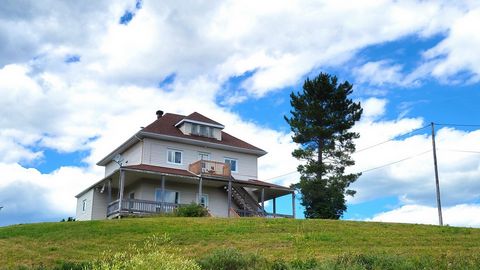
pixel 321 118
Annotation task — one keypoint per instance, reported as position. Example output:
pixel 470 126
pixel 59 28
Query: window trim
pixel 84 205
pixel 207 199
pixel 236 163
pixel 175 150
pixel 172 190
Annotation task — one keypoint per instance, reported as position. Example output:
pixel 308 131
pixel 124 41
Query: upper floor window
pixel 202 130
pixel 232 163
pixel 174 156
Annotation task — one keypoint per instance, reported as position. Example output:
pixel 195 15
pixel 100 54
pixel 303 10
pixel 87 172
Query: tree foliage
pixel 321 118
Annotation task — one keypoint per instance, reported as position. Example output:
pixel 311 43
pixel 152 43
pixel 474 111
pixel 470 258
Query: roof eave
pixel 258 152
pixel 124 146
pixel 199 122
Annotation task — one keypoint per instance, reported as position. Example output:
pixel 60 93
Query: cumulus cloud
pixel 99 100
pixel 459 215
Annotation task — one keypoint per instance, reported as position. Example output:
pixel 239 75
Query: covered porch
pixel 147 190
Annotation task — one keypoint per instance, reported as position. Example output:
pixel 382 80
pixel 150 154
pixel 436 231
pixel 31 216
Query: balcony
pixel 210 168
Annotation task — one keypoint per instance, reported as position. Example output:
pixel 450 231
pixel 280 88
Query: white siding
pixel 155 153
pixel 99 206
pixel 87 214
pixel 131 156
pixel 217 197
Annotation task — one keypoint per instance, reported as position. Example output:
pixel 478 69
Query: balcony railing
pixel 135 206
pixel 208 167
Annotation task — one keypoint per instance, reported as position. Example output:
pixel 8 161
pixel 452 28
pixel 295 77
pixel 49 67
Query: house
pixel 177 160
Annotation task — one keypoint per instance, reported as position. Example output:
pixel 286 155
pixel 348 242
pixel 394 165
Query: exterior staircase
pixel 248 205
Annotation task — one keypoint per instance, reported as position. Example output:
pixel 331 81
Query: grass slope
pixel 50 243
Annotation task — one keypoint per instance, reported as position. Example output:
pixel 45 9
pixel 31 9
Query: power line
pixel 461 151
pixel 371 169
pixel 401 135
pixel 395 162
pixel 458 125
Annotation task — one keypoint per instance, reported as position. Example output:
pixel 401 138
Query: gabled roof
pixel 166 125
pixel 164 128
pixel 196 117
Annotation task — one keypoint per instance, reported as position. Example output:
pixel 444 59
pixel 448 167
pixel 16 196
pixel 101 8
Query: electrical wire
pixel 375 145
pixel 458 125
pixel 461 151
pixel 395 162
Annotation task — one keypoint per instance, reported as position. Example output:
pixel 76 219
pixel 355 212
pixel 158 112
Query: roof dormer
pixel 198 125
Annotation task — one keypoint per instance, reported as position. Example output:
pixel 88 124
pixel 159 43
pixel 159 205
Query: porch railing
pixel 140 206
pixel 247 213
pixel 209 167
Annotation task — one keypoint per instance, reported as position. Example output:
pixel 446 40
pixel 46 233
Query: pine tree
pixel 321 119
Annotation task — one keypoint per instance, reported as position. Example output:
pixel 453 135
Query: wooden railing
pixel 247 213
pixel 140 206
pixel 209 167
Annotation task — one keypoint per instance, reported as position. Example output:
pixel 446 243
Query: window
pixel 174 156
pixel 232 163
pixel 84 205
pixel 203 200
pixel 171 196
pixel 202 130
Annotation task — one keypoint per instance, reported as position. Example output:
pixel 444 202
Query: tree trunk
pixel 320 160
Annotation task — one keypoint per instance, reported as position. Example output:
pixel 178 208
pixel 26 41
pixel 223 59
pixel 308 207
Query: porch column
pixel 121 187
pixel 293 204
pixel 109 190
pixel 263 199
pixel 162 194
pixel 274 207
pixel 229 196
pixel 199 199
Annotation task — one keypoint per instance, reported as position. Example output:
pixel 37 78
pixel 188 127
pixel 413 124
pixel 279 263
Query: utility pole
pixel 439 204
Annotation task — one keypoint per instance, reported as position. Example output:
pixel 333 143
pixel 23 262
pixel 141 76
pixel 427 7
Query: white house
pixel 178 160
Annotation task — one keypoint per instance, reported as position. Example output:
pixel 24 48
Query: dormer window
pixel 198 125
pixel 202 130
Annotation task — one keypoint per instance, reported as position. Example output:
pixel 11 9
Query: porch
pixel 146 190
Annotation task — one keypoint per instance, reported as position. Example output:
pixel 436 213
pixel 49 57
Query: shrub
pixel 232 259
pixel 191 210
pixel 156 253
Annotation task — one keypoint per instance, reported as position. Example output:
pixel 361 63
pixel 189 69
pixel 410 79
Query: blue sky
pixel 76 80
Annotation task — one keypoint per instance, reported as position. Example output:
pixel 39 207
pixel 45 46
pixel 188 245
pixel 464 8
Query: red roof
pixel 165 125
pixel 151 168
pixel 166 170
pixel 200 118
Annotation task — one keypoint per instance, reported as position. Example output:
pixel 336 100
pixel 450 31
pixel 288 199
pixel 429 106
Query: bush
pixel 191 210
pixel 232 259
pixel 156 253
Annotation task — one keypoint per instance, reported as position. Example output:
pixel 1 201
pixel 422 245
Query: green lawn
pixel 50 243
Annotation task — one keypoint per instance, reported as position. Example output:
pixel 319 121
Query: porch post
pixel 293 203
pixel 274 207
pixel 199 199
pixel 120 196
pixel 162 195
pixel 109 190
pixel 263 199
pixel 229 196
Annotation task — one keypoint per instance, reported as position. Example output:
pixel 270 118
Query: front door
pixel 131 196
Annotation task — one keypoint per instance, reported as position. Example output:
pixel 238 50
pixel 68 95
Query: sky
pixel 77 78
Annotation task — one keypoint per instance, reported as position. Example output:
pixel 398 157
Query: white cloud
pixel 465 215
pixel 458 51
pixel 98 102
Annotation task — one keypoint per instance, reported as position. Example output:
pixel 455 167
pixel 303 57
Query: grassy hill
pixel 287 239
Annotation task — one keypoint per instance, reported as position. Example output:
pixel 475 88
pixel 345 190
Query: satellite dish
pixel 118 159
